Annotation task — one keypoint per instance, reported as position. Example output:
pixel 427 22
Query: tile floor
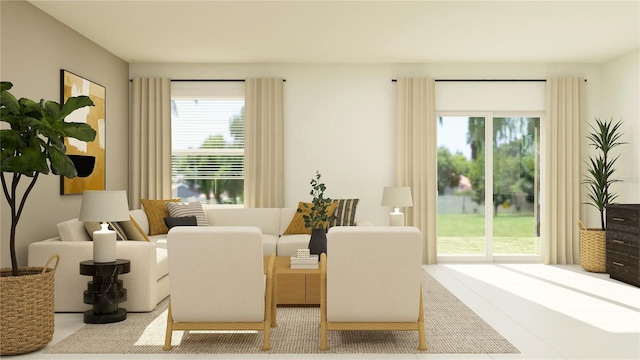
pixel 547 312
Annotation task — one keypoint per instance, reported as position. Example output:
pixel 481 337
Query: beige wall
pixel 34 49
pixel 340 119
pixel 621 101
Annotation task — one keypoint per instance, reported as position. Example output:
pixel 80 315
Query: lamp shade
pixel 398 196
pixel 104 206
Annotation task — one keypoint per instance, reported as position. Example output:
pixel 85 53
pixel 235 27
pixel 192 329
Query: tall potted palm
pixel 33 144
pixel 600 168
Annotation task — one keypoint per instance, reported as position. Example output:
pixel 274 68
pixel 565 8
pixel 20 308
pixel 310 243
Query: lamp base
pixel 104 245
pixel 396 219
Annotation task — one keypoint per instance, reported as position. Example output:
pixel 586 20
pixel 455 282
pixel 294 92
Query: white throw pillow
pixel 188 209
pixel 73 230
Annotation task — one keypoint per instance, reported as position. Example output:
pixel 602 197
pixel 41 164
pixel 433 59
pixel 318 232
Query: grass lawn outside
pixel 460 234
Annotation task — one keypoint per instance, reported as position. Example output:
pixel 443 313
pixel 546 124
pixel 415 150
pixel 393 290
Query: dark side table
pixel 105 292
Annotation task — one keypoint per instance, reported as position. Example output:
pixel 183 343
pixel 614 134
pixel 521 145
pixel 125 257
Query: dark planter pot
pixel 84 164
pixel 318 242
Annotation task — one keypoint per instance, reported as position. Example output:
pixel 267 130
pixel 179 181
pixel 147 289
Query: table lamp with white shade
pixel 397 197
pixel 104 206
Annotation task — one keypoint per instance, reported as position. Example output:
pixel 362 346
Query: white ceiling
pixel 355 31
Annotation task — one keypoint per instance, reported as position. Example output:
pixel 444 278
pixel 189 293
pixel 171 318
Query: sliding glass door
pixel 488 186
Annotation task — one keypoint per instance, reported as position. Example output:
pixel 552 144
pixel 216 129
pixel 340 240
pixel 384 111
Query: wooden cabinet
pixel 623 242
pixel 296 286
pixel 298 289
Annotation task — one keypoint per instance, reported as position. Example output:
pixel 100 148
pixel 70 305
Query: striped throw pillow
pixel 345 212
pixel 188 209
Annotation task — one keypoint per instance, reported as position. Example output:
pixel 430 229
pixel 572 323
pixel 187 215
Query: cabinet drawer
pixel 623 242
pixel 623 218
pixel 623 267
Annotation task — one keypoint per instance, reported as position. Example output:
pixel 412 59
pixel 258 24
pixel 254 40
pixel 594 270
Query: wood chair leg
pixel 422 343
pixel 274 307
pixel 323 337
pixel 167 337
pixel 266 344
pixel 323 302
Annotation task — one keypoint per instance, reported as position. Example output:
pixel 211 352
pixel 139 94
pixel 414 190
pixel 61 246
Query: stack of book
pixel 310 262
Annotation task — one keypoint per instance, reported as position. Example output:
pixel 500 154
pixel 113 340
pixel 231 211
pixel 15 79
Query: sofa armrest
pixel 70 285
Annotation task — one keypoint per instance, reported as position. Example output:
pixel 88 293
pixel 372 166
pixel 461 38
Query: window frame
pixel 209 90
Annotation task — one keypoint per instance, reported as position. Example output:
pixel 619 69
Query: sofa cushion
pixel 73 230
pixel 288 245
pixel 267 219
pixel 269 244
pixel 188 209
pixel 156 211
pixel 345 212
pixel 286 215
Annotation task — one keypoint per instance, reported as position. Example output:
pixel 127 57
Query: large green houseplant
pixel 604 136
pixel 318 215
pixel 32 144
pixel 600 168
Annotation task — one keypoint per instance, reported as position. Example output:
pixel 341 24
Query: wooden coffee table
pixel 296 287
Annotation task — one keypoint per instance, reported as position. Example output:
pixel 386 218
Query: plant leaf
pixel 61 164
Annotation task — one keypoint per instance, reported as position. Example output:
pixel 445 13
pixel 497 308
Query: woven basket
pixel 593 249
pixel 26 308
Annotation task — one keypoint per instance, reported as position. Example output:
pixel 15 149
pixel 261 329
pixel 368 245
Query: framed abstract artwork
pixel 89 157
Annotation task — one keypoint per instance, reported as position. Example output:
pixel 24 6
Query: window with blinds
pixel 207 135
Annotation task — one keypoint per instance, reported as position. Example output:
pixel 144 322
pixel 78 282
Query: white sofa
pixel 273 223
pixel 148 282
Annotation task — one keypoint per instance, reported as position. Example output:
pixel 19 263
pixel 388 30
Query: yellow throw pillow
pixel 156 211
pixel 296 226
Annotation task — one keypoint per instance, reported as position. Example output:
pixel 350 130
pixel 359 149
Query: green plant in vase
pixel 318 216
pixel 31 144
pixel 604 136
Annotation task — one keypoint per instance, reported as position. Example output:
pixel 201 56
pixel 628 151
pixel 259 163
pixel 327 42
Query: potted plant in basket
pixel 33 144
pixel 319 214
pixel 600 168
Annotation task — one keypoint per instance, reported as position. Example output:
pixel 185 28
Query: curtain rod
pixel 209 80
pixel 214 80
pixel 487 80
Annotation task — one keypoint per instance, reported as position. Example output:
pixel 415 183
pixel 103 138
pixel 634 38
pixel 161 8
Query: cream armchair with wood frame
pixel 219 282
pixel 370 280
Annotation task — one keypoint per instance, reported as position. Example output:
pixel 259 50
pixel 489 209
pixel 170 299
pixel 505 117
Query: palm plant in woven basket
pixel 600 168
pixel 32 144
pixel 604 137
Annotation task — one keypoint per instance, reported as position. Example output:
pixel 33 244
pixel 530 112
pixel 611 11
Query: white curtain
pixel 150 140
pixel 563 139
pixel 416 157
pixel 264 143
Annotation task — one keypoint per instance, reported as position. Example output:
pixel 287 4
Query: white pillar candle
pixel 104 245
